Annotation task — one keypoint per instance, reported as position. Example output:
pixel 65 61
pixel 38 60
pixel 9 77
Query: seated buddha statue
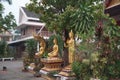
pixel 54 53
pixel 42 45
pixel 52 62
pixel 41 50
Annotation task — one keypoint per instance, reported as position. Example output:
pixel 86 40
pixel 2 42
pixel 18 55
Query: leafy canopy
pixel 60 15
pixel 8 21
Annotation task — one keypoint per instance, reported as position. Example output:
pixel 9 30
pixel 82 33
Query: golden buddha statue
pixel 52 62
pixel 41 50
pixel 67 71
pixel 54 53
pixel 71 47
pixel 42 45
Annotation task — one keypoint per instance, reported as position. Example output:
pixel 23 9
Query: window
pixel 23 31
pixel 5 38
pixel 37 30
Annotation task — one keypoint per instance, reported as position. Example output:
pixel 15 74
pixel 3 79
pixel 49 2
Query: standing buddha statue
pixel 71 47
pixel 67 71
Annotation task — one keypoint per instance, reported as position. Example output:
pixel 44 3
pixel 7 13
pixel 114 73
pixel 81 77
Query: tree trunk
pixel 65 54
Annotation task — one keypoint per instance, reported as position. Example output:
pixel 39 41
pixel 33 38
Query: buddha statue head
pixel 71 34
pixel 55 41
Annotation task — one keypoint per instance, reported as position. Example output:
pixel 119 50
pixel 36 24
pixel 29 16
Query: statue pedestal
pixel 67 73
pixel 50 64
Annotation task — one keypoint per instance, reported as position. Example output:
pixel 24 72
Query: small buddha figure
pixel 71 47
pixel 42 45
pixel 41 50
pixel 54 53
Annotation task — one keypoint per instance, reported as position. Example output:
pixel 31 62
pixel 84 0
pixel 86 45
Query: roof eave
pixel 113 10
pixel 23 24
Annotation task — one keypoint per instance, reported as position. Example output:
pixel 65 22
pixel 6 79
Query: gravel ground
pixel 14 71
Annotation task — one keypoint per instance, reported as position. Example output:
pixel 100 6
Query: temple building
pixel 112 7
pixel 29 23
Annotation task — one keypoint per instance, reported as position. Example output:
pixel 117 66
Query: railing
pixel 8 58
pixel 45 33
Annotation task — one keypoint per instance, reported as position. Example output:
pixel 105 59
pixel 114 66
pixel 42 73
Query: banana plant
pixel 84 18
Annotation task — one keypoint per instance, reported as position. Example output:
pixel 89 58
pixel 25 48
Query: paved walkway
pixel 14 72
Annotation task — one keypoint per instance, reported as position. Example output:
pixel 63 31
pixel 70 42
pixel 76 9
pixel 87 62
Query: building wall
pixel 6 36
pixel 30 30
pixel 27 31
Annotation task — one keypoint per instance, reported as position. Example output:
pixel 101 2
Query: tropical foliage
pixel 104 56
pixel 85 18
pixel 63 15
pixel 81 71
pixel 31 48
pixel 3 48
pixel 66 15
pixel 8 21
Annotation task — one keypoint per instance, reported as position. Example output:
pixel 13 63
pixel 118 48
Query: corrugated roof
pixel 30 13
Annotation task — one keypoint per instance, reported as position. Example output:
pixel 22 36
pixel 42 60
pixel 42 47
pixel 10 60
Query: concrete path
pixel 14 72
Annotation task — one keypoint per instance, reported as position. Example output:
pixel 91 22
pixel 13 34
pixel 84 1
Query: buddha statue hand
pixel 52 54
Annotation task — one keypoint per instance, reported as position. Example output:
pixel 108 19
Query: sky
pixel 14 8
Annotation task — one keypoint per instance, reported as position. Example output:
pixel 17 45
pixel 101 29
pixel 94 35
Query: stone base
pixel 44 75
pixel 50 64
pixel 67 73
pixel 66 78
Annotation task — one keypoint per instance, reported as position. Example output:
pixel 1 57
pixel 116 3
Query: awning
pixel 23 24
pixel 20 40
